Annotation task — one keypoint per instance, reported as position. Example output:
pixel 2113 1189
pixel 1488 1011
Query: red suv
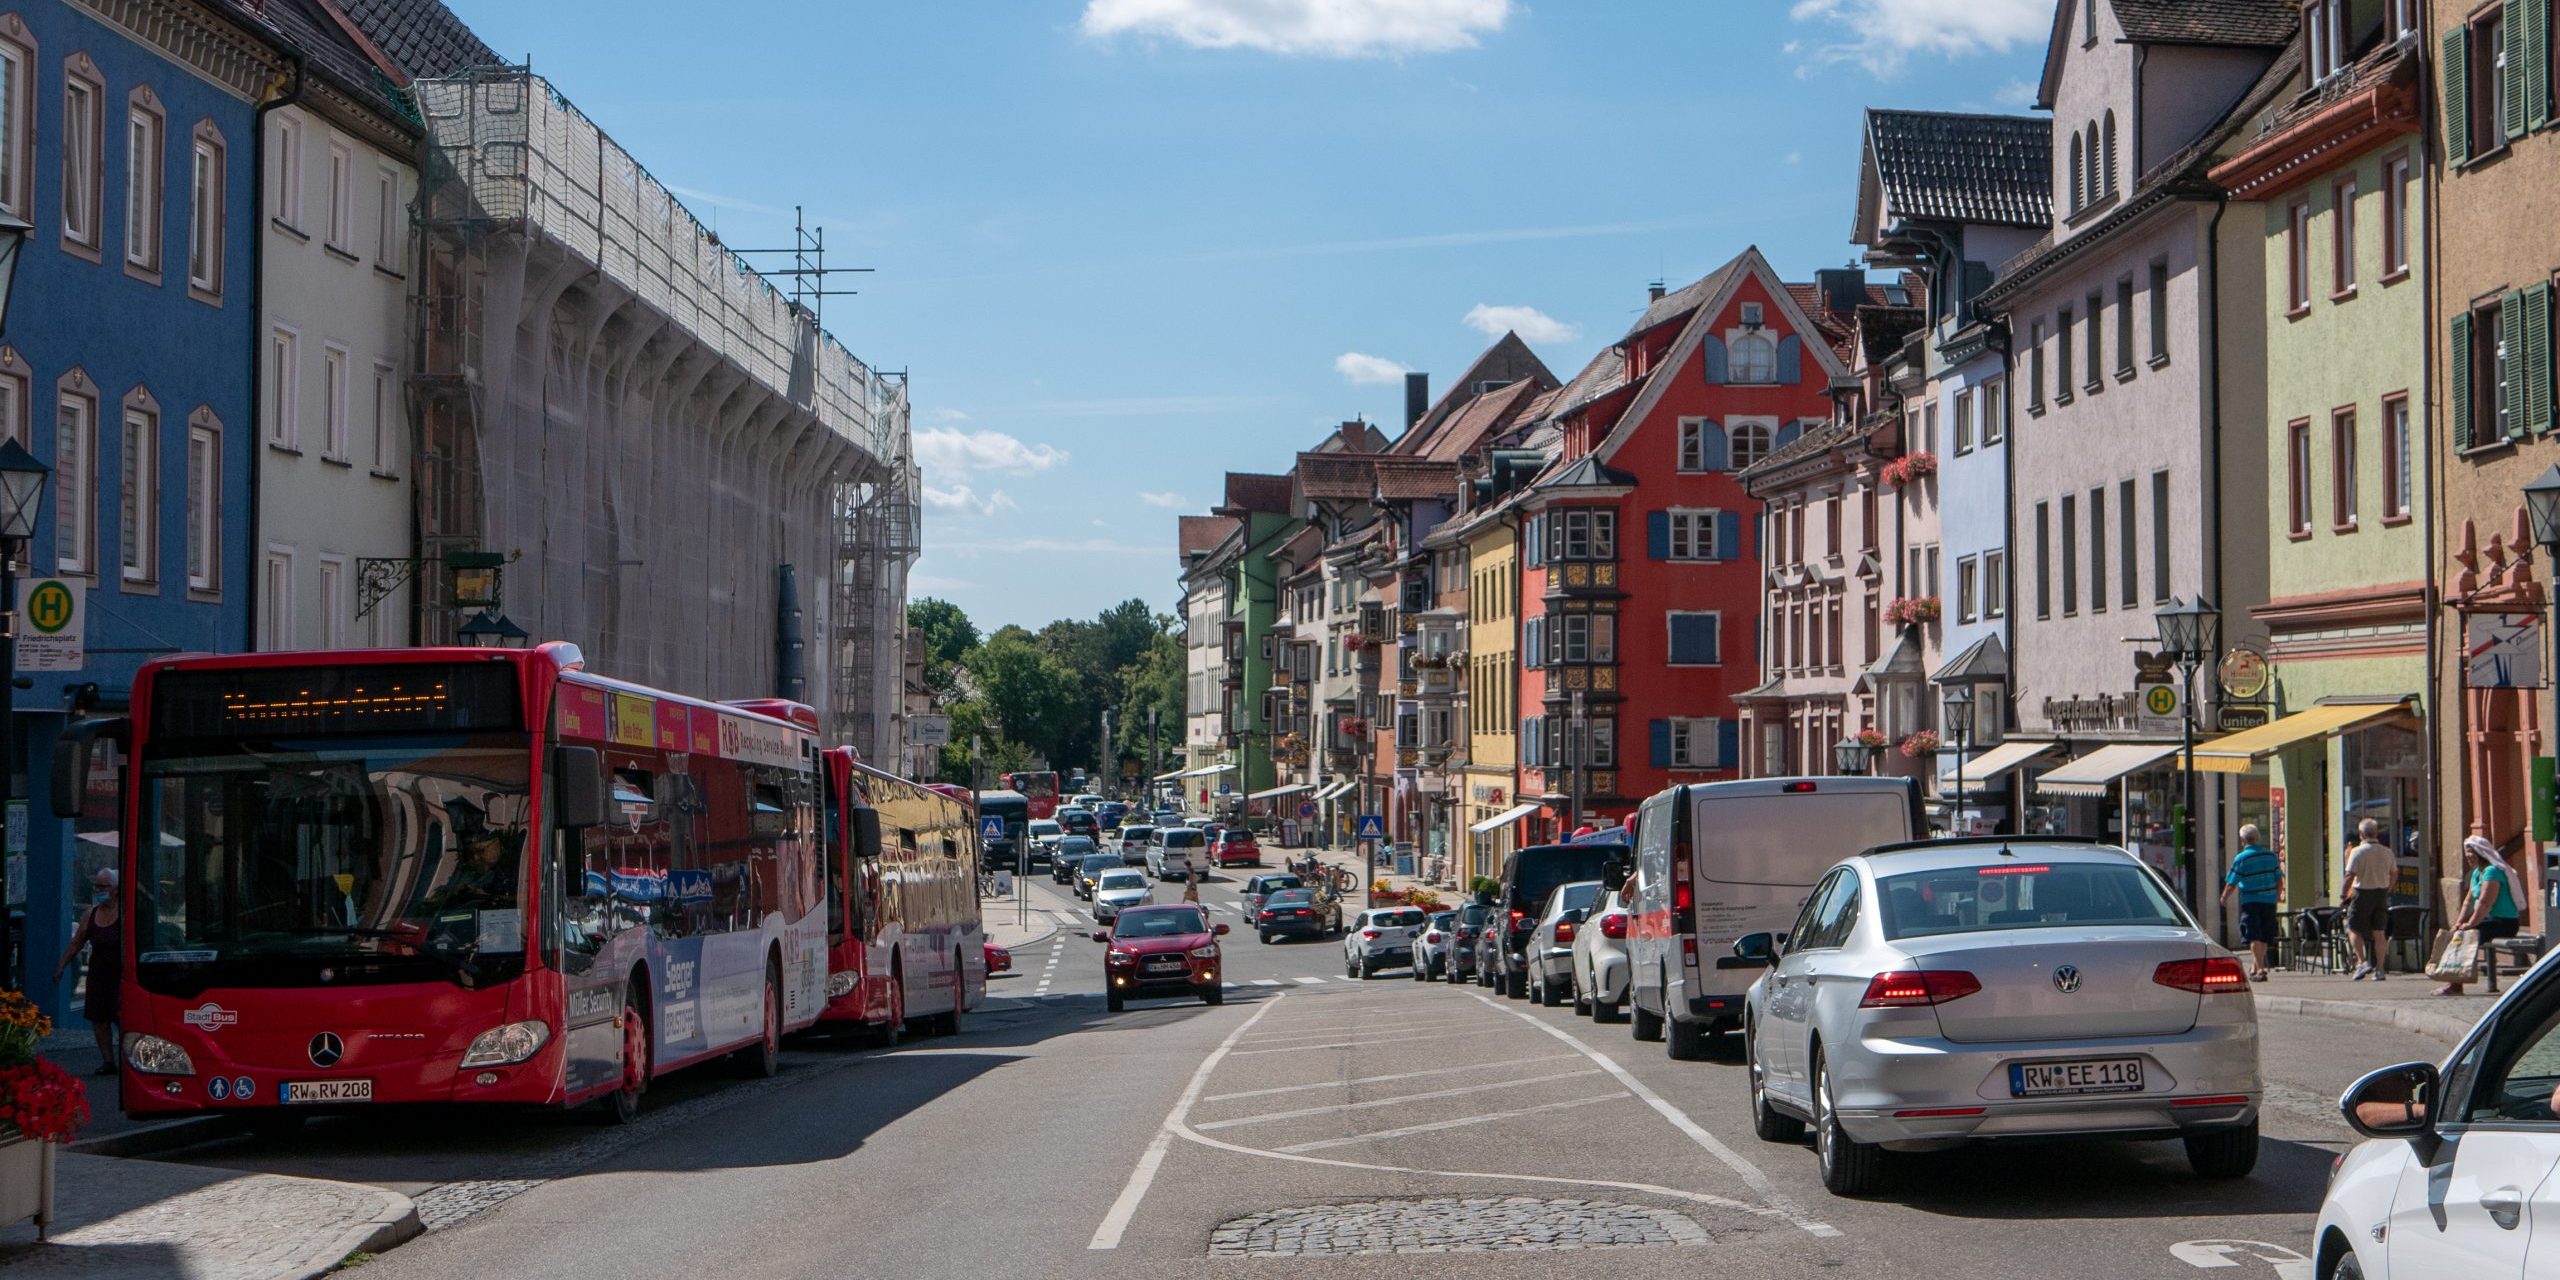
pixel 1234 847
pixel 1167 949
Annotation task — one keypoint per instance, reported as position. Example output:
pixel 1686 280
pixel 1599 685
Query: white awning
pixel 1168 777
pixel 2092 774
pixel 1290 790
pixel 1334 790
pixel 1998 760
pixel 1205 770
pixel 1504 818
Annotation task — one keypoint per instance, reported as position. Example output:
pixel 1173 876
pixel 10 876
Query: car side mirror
pixel 1218 929
pixel 577 783
pixel 1757 948
pixel 1578 914
pixel 1099 936
pixel 2395 1102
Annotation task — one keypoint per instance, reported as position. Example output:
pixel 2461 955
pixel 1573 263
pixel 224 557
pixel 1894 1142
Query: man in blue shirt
pixel 2257 876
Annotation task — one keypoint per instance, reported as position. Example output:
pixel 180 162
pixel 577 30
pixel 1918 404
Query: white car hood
pixel 1121 897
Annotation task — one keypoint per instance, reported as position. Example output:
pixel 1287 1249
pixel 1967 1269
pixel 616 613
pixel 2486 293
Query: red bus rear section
pixel 1041 789
pixel 905 946
pixel 456 875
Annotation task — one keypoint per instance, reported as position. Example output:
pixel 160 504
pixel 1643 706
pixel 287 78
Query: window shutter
pixel 2511 324
pixel 1787 433
pixel 2455 71
pixel 2458 373
pixel 1657 535
pixel 2537 358
pixel 1711 630
pixel 2537 63
pixel 1790 359
pixel 1537 642
pixel 1728 743
pixel 2516 59
pixel 1728 535
pixel 1719 455
pixel 1711 354
pixel 1661 730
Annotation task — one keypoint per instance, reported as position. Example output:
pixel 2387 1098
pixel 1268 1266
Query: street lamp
pixel 490 629
pixel 2190 631
pixel 22 481
pixel 1578 744
pixel 1959 713
pixel 1852 757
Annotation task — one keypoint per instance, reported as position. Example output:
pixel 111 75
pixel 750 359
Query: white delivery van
pixel 1718 860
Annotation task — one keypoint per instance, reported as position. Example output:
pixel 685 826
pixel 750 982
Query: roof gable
pixel 422 38
pixel 1749 265
pixel 1946 167
pixel 1508 361
pixel 2241 24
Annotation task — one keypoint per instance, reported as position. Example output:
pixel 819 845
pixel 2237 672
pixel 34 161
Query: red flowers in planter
pixel 1911 611
pixel 1907 470
pixel 1920 745
pixel 42 1101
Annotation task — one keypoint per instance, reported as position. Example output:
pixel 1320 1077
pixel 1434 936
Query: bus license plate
pixel 328 1091
pixel 2088 1075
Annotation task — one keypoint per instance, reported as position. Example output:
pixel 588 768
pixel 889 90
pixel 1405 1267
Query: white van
pixel 1718 860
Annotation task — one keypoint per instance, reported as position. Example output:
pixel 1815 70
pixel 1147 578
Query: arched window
pixel 2096 192
pixel 1750 443
pixel 2107 149
pixel 1754 359
pixel 2079 166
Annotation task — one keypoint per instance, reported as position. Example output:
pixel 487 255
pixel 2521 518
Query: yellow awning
pixel 2234 753
pixel 2092 774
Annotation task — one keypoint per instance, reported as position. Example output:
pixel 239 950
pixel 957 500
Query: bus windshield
pixel 287 863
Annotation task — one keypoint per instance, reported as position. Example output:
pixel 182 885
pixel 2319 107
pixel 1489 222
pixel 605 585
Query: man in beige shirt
pixel 2371 872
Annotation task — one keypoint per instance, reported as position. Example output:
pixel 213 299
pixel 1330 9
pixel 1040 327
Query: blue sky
pixel 1125 246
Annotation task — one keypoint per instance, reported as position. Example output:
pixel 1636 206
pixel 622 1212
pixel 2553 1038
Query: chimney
pixel 1843 289
pixel 1653 291
pixel 1355 436
pixel 1417 398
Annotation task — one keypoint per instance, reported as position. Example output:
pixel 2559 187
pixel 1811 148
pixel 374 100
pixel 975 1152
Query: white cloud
pixel 1530 323
pixel 1168 501
pixel 1881 35
pixel 1323 28
pixel 950 449
pixel 1355 367
pixel 961 497
pixel 948 415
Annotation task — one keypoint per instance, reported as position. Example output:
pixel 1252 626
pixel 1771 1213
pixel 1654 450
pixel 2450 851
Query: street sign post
pixel 54 638
pixel 991 829
pixel 1370 827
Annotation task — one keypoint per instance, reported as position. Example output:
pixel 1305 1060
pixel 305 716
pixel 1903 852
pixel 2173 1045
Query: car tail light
pixel 1681 900
pixel 1368 933
pixel 2210 975
pixel 1564 931
pixel 1799 788
pixel 1267 915
pixel 1904 988
pixel 1518 919
pixel 1613 925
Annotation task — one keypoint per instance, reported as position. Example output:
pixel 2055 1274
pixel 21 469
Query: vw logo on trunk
pixel 327 1049
pixel 2066 978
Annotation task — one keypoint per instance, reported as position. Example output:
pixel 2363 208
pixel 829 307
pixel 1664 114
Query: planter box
pixel 26 1182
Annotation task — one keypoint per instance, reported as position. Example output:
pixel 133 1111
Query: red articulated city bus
pixel 454 875
pixel 1041 789
pixel 905 947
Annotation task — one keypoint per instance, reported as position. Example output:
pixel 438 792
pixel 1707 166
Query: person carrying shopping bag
pixel 2491 904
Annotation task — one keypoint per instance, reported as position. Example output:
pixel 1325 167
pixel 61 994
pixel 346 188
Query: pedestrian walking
pixel 2371 871
pixel 2257 879
pixel 2492 900
pixel 102 931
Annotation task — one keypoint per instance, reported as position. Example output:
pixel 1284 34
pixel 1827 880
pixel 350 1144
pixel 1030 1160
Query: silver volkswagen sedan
pixel 1941 992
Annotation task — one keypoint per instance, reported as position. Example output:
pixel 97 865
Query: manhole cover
pixel 1488 1224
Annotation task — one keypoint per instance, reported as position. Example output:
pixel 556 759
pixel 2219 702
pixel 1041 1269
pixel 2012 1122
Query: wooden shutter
pixel 1728 535
pixel 2517 57
pixel 1728 743
pixel 2455 71
pixel 1660 731
pixel 1711 354
pixel 1657 535
pixel 2511 326
pixel 1786 435
pixel 1712 443
pixel 2458 374
pixel 2537 61
pixel 1790 359
pixel 2536 379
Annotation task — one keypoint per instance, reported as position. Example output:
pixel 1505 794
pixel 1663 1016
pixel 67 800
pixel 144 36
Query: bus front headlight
pixel 155 1056
pixel 512 1043
pixel 839 984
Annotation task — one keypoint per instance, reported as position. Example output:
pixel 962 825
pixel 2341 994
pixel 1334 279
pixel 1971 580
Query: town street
pixel 1310 1116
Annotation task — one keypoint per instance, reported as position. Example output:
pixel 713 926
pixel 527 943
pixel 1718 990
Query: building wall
pixel 1492 780
pixel 1204 662
pixel 1973 494
pixel 334 453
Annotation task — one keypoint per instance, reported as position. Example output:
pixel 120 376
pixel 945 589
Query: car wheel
pixel 1648 1024
pixel 2348 1268
pixel 1265 935
pixel 1849 1167
pixel 1213 994
pixel 1547 993
pixel 1114 1001
pixel 1368 968
pixel 2228 1153
pixel 1581 1003
pixel 1770 1124
pixel 1685 1041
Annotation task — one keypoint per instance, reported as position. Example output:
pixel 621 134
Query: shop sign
pixel 2276 822
pixel 2099 711
pixel 2244 674
pixel 2502 651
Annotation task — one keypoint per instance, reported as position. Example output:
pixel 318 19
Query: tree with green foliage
pixel 948 638
pixel 1024 695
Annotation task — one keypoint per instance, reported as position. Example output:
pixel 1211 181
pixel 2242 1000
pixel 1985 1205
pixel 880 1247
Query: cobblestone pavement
pixel 143 1219
pixel 1486 1224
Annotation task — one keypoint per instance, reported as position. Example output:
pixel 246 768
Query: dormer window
pixel 2324 24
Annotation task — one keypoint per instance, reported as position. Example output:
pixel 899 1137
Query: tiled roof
pixel 1820 440
pixel 1250 491
pixel 1204 533
pixel 1337 475
pixel 1485 416
pixel 1586 471
pixel 328 49
pixel 1963 168
pixel 421 37
pixel 1508 360
pixel 1680 302
pixel 1606 373
pixel 1416 479
pixel 1884 329
pixel 2262 24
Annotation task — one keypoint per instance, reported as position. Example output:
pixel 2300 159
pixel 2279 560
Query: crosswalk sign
pixel 1370 827
pixel 991 828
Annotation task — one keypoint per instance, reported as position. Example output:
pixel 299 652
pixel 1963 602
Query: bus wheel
pixel 885 1036
pixel 763 1059
pixel 951 1022
pixel 623 1105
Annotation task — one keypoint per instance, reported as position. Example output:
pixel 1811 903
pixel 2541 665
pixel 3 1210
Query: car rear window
pixel 1399 919
pixel 1124 880
pixel 1289 898
pixel 1182 840
pixel 2022 894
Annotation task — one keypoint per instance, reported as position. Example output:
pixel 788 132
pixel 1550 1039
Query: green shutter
pixel 2537 63
pixel 2516 59
pixel 2537 359
pixel 2457 361
pixel 2455 72
pixel 2511 327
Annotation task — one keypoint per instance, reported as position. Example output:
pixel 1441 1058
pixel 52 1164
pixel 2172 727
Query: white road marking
pixel 1749 1172
pixel 1266 982
pixel 1460 1122
pixel 1354 1044
pixel 1339 1028
pixel 1116 1220
pixel 1401 1075
pixel 1311 982
pixel 1399 1099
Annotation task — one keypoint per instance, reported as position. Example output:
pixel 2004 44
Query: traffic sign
pixel 54 637
pixel 1306 808
pixel 991 828
pixel 2162 705
pixel 1370 827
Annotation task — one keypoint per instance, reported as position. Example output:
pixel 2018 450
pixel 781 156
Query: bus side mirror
pixel 71 756
pixel 866 833
pixel 577 787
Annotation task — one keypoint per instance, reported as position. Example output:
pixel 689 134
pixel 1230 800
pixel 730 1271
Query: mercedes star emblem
pixel 2066 979
pixel 327 1048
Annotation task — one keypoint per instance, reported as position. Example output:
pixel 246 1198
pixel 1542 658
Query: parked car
pixel 1235 847
pixel 1941 992
pixel 1380 938
pixel 1119 889
pixel 1170 949
pixel 1549 952
pixel 1718 860
pixel 999 960
pixel 1134 839
pixel 1469 923
pixel 1298 913
pixel 1256 888
pixel 1528 876
pixel 1078 822
pixel 1091 873
pixel 1431 946
pixel 1176 852
pixel 1600 961
pixel 1069 855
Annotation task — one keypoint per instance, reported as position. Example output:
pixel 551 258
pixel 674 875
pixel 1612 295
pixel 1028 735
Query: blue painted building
pixel 128 366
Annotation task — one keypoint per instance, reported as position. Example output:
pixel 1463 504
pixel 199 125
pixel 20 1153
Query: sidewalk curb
pixel 395 1224
pixel 2429 1022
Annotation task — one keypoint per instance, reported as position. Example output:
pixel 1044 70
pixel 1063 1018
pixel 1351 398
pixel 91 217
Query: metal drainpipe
pixel 258 332
pixel 2211 483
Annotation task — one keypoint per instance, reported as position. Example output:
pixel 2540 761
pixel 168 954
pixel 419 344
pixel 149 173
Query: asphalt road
pixel 1329 1121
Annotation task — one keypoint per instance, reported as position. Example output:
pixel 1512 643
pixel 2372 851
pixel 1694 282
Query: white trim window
pixel 205 219
pixel 13 408
pixel 342 198
pixel 390 223
pixel 1694 743
pixel 146 134
pixel 1693 534
pixel 286 200
pixel 204 504
pixel 1750 439
pixel 16 111
pixel 1693 444
pixel 138 497
pixel 1754 359
pixel 386 420
pixel 81 161
pixel 74 449
pixel 284 389
pixel 334 608
pixel 275 624
pixel 335 388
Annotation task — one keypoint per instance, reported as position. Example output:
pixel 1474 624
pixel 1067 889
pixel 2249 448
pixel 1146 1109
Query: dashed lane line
pixel 1266 982
pixel 1398 1100
pixel 1310 982
pixel 1437 1125
pixel 1386 1079
pixel 1115 1221
pixel 1340 1028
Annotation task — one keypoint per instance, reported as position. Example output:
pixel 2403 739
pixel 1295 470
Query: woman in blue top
pixel 2489 903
